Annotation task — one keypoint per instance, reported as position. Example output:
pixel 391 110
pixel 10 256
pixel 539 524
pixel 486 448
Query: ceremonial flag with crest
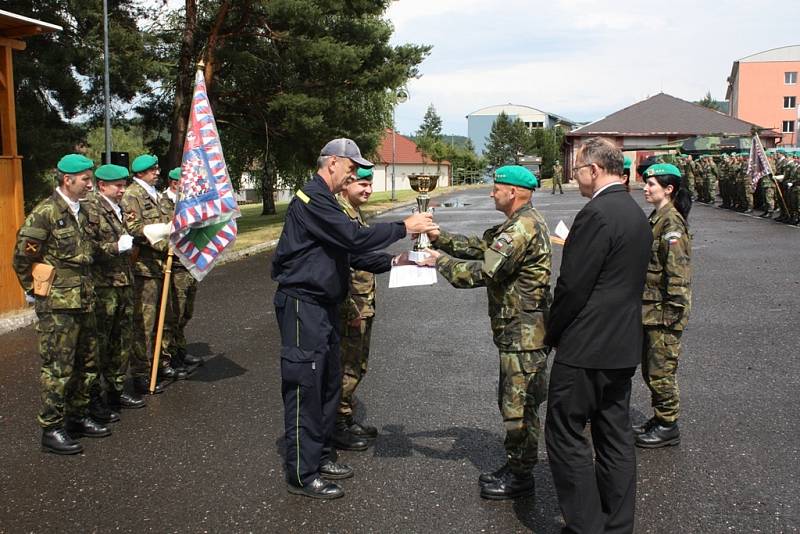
pixel 205 212
pixel 758 164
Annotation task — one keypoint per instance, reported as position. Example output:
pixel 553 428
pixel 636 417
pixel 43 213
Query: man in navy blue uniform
pixel 317 247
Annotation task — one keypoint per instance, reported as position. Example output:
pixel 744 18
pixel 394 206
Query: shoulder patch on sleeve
pixel 672 237
pixel 302 196
pixel 503 244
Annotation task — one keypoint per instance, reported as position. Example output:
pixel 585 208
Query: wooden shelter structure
pixel 13 28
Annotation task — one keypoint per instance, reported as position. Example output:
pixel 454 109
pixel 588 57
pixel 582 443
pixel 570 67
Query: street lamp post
pixel 400 96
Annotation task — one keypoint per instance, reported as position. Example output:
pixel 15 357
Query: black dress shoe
pixel 142 385
pixel 509 486
pixel 99 411
pixel 174 373
pixel 766 215
pixel 191 359
pixel 87 427
pixel 318 488
pixel 361 430
pixel 335 471
pixel 57 441
pixel 342 439
pixel 659 435
pixel 128 401
pixel 490 478
pixel 641 428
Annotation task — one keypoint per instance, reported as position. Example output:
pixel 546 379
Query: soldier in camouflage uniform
pixel 513 261
pixel 356 316
pixel 666 300
pixel 788 170
pixel 182 293
pixel 768 188
pixel 726 169
pixel 744 187
pixel 558 178
pixel 113 284
pixel 141 208
pixel 55 234
pixel 691 173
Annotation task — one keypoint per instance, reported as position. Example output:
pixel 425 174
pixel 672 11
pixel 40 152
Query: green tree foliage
pixel 59 77
pixel 508 141
pixel 547 143
pixel 126 139
pixel 708 101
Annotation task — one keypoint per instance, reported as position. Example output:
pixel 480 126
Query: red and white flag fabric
pixel 204 224
pixel 758 164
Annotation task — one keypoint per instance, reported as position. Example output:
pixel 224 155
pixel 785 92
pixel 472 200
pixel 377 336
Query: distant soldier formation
pixel 95 282
pixel 776 196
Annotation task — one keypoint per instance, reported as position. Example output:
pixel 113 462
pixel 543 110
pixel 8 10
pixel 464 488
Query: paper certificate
pixel 412 275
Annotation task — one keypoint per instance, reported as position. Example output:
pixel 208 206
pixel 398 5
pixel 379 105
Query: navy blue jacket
pixel 319 243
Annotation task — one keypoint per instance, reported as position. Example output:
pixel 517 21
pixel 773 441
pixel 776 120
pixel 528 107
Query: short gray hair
pixel 322 161
pixel 604 154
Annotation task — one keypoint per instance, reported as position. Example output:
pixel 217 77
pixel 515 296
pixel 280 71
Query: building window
pixel 788 126
pixel 789 102
pixel 790 78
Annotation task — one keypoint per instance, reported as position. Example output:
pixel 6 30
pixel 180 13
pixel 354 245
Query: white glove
pixel 156 232
pixel 29 298
pixel 124 243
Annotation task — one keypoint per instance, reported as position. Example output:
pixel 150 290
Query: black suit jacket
pixel 596 317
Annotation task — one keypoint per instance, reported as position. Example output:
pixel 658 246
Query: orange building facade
pixel 764 88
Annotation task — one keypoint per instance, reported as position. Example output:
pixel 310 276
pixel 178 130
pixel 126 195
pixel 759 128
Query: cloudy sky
pixel 581 59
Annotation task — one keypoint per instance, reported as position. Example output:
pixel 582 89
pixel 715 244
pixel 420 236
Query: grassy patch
pixel 255 228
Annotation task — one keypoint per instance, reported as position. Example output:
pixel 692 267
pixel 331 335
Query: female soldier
pixel 666 302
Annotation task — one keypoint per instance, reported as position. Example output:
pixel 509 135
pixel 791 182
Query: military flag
pixel 204 224
pixel 758 164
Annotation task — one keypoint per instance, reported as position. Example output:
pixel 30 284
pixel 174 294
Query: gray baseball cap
pixel 345 148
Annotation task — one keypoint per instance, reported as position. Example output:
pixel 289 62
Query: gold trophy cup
pixel 422 184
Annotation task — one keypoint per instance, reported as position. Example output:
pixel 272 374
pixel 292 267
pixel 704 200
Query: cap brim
pixel 361 162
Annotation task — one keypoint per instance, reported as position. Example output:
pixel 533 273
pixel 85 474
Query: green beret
pixel 175 174
pixel 627 162
pixel 364 174
pixel 74 163
pixel 144 162
pixel 516 175
pixel 111 173
pixel 661 169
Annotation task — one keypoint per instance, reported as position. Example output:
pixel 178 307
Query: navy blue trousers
pixel 311 383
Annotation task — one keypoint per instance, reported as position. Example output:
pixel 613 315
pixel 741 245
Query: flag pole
pixel 161 317
pixel 772 177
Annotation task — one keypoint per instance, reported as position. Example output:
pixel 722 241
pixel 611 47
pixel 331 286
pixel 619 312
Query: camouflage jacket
pixel 667 297
pixel 52 235
pixel 140 210
pixel 513 261
pixel 360 301
pixel 110 268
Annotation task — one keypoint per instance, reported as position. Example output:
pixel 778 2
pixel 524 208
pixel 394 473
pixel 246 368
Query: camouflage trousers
pixel 557 183
pixel 726 192
pixel 183 289
pixel 690 184
pixel 794 200
pixel 355 357
pixel 114 310
pixel 146 301
pixel 768 190
pixel 744 194
pixel 662 348
pixel 708 192
pixel 68 347
pixel 522 389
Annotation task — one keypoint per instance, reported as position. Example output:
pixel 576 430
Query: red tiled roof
pixel 406 151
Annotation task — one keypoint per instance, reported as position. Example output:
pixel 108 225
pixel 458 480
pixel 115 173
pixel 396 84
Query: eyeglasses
pixel 579 167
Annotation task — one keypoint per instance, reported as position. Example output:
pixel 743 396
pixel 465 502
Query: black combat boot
pixel 361 430
pixel 510 486
pixel 99 410
pixel 174 373
pixel 141 384
pixel 189 359
pixel 491 478
pixel 344 440
pixel 766 215
pixel 118 401
pixel 87 427
pixel 641 428
pixel 659 435
pixel 57 441
pixel 335 471
pixel 319 488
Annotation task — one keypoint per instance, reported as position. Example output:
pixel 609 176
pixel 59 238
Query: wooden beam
pixel 12 43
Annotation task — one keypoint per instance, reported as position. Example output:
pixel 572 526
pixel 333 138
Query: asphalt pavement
pixel 205 456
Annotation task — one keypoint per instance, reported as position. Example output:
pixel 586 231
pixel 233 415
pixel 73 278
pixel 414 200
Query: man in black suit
pixel 596 325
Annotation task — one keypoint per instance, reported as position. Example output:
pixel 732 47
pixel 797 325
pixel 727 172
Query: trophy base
pixel 417 255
